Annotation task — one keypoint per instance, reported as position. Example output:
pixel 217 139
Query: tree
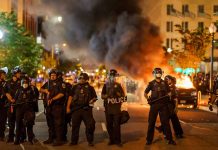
pixel 195 43
pixel 18 46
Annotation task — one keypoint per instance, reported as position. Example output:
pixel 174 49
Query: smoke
pixel 114 32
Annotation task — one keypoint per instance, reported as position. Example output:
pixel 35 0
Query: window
pixel 185 9
pixel 169 9
pixel 184 26
pixel 201 25
pixel 169 26
pixel 215 9
pixel 171 44
pixel 200 8
pixel 168 43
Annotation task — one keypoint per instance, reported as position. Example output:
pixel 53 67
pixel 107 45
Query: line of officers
pixel 63 104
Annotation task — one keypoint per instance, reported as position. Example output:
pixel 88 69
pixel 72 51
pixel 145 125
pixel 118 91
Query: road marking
pixel 193 125
pixel 21 145
pixel 182 122
pixel 43 145
pixel 103 127
pixel 37 115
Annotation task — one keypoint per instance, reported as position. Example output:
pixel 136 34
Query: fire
pixel 184 82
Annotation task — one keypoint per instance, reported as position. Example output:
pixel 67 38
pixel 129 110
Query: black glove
pixel 211 108
pixel 149 100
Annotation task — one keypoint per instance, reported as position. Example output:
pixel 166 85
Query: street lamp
pixel 1 34
pixel 212 30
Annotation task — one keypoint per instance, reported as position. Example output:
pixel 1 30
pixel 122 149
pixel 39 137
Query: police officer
pixel 25 113
pixel 214 94
pixel 67 117
pixel 12 86
pixel 160 92
pixel 173 104
pixel 54 108
pixel 80 104
pixel 3 99
pixel 112 93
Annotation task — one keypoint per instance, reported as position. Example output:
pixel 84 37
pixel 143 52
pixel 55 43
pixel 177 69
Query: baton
pixel 155 100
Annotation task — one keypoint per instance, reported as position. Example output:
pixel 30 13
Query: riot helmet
pixel 112 75
pixel 157 72
pixel 25 82
pixel 83 78
pixel 3 72
pixel 16 72
pixel 53 74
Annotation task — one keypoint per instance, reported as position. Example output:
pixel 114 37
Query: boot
pixel 48 141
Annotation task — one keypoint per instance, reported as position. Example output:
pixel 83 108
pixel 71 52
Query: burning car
pixel 187 93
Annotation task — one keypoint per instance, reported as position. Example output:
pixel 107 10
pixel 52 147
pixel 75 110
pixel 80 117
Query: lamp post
pixel 212 30
pixel 1 34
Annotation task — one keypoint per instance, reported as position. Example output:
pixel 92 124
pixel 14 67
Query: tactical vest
pixel 112 89
pixel 3 97
pixel 81 95
pixel 25 95
pixel 158 89
pixel 13 86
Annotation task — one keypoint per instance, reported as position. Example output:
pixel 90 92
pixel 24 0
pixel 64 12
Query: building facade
pixel 22 9
pixel 190 14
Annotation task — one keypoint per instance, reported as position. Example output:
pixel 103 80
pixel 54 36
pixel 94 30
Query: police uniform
pixel 25 113
pixel 3 109
pixel 173 115
pixel 67 117
pixel 81 111
pixel 158 90
pixel 11 89
pixel 55 111
pixel 114 91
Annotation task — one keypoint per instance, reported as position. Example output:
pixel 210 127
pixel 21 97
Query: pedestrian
pixel 25 114
pixel 54 108
pixel 160 92
pixel 80 104
pixel 12 86
pixel 3 100
pixel 173 107
pixel 112 94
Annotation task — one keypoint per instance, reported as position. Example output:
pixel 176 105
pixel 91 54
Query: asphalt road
pixel 200 127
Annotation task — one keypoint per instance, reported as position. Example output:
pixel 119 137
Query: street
pixel 200 128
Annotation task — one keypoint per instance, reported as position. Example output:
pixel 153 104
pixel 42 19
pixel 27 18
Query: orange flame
pixel 184 82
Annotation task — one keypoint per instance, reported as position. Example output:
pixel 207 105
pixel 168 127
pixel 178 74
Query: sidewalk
pixel 203 104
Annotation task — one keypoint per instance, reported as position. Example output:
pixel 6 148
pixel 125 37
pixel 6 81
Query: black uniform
pixel 67 117
pixel 81 111
pixel 3 109
pixel 55 111
pixel 11 88
pixel 173 115
pixel 158 90
pixel 25 112
pixel 113 110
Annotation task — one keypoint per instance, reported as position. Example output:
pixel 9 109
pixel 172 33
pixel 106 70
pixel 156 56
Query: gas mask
pixel 25 85
pixel 158 75
pixel 111 79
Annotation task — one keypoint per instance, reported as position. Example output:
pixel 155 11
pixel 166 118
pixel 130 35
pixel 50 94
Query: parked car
pixel 188 96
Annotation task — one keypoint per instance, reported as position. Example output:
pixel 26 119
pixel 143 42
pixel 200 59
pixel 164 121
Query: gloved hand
pixel 211 107
pixel 149 100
